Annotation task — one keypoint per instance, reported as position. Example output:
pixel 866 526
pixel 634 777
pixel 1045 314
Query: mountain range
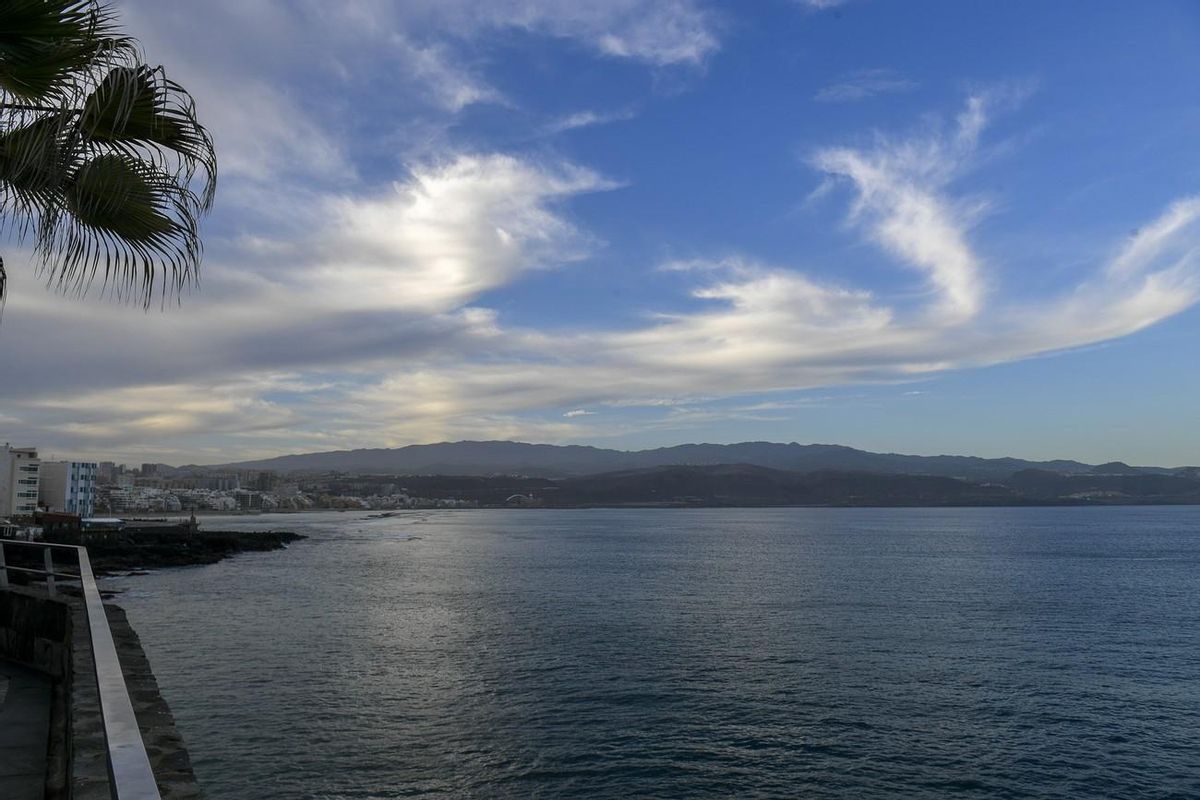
pixel 725 485
pixel 558 461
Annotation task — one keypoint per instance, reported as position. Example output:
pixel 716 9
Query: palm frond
pixel 45 43
pixel 122 216
pixel 99 153
pixel 34 163
pixel 34 154
pixel 137 110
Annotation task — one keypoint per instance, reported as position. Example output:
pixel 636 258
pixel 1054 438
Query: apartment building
pixel 69 486
pixel 19 473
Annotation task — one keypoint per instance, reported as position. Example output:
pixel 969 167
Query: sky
pixel 920 227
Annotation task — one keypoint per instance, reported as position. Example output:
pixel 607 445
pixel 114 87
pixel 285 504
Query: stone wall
pixel 168 756
pixel 51 636
pixel 35 631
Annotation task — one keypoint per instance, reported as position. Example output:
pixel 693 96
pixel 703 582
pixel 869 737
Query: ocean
pixel 801 652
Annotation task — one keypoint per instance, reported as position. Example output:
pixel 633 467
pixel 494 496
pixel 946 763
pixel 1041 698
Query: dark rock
pixel 137 549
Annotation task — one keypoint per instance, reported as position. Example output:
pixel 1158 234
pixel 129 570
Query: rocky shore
pixel 170 546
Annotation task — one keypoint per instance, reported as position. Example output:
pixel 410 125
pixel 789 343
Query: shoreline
pixel 667 505
pixel 142 549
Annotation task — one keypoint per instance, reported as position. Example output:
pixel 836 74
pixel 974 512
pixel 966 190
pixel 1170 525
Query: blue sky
pixel 918 227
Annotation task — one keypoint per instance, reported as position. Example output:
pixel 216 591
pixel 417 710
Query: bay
pixel 998 653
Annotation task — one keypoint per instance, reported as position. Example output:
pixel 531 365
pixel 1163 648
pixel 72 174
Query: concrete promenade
pixel 25 702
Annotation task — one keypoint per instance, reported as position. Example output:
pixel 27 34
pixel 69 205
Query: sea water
pixel 998 653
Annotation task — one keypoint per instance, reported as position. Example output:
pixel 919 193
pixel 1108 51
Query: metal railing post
pixel 48 560
pixel 3 568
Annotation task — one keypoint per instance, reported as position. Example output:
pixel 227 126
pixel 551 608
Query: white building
pixel 19 470
pixel 69 486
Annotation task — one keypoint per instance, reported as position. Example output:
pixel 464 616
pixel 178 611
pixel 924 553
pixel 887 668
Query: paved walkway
pixel 24 730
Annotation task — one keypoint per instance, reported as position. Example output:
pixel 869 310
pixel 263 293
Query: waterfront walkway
pixel 24 732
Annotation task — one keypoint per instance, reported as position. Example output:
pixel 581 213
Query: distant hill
pixel 726 485
pixel 1115 468
pixel 1039 484
pixel 747 485
pixel 554 461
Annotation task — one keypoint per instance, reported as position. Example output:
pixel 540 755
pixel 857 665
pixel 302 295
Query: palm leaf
pixel 98 153
pixel 33 164
pixel 45 43
pixel 136 110
pixel 122 216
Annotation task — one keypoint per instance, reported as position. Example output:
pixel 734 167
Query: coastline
pixel 168 546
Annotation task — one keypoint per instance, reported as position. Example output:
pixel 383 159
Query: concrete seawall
pixel 50 636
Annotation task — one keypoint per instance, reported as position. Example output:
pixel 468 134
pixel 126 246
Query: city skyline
pixel 929 229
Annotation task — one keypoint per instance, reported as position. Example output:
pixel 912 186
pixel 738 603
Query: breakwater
pixel 176 546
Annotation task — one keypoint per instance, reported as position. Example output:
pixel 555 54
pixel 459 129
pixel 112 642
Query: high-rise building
pixel 69 486
pixel 19 470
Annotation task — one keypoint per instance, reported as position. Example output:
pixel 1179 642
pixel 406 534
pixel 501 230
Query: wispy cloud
pixel 410 56
pixel 902 201
pixel 864 84
pixel 587 119
pixel 451 85
pixel 360 317
pixel 657 32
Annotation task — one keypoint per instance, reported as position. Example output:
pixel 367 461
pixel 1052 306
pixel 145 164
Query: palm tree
pixel 104 167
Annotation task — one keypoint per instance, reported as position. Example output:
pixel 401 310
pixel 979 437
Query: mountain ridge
pixel 495 457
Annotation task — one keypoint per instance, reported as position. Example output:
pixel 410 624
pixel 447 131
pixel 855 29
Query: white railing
pixel 128 765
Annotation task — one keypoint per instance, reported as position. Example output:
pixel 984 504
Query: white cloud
pixel 666 33
pixel 227 63
pixel 901 199
pixel 1151 243
pixel 864 84
pixel 362 325
pixel 262 135
pixel 763 316
pixel 658 32
pixel 586 119
pixel 454 231
pixel 452 86
pixel 774 329
pixel 409 55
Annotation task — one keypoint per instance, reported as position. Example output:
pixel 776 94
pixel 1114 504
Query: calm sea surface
pixel 676 653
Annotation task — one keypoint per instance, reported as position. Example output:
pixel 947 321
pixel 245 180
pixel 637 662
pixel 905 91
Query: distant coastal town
pixel 91 495
pixel 35 488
